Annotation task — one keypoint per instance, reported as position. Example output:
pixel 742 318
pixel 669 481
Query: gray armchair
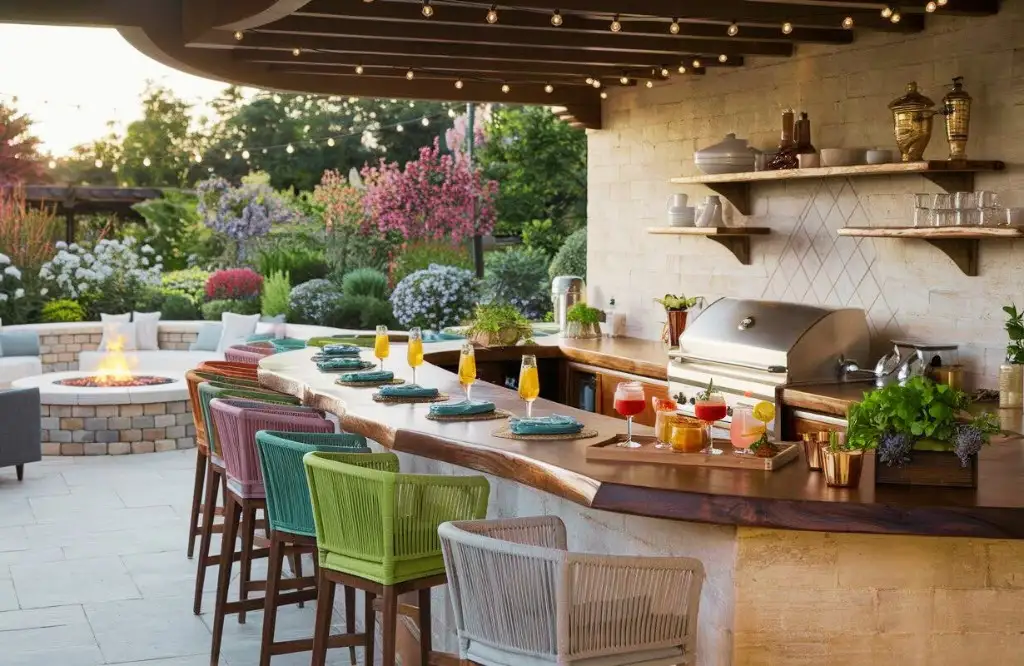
pixel 20 433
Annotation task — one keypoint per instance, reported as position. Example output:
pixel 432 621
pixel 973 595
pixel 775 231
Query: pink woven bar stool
pixel 247 353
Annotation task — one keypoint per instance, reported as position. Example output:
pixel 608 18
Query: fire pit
pixel 99 381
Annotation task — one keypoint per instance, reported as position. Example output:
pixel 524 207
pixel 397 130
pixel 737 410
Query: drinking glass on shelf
pixel 467 367
pixel 381 345
pixel 923 217
pixel 987 199
pixel 629 401
pixel 944 217
pixel 529 382
pixel 964 200
pixel 709 409
pixel 942 201
pixel 415 350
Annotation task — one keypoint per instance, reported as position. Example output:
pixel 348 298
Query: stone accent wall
pixel 179 341
pixel 59 351
pixel 117 429
pixel 908 288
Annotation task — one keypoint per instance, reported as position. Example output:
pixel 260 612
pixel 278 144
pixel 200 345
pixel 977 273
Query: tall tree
pixel 20 161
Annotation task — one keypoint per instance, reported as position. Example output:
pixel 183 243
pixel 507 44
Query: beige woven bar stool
pixel 521 598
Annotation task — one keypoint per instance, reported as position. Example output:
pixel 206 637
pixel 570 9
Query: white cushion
pixel 142 362
pixel 236 329
pixel 146 325
pixel 16 367
pixel 118 330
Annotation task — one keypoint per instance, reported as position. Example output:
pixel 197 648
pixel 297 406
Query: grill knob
pixel 729 411
pixel 693 401
pixel 747 322
pixel 679 397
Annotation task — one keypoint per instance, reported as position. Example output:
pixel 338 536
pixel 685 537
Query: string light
pixel 624 80
pixel 245 154
pixel 99 164
pixel 451 113
pixel 848 22
pixel 664 72
pixel 681 69
pixel 427 10
pixel 696 63
pixel 733 29
pixel 787 28
pixel 931 7
pixel 604 95
pixel 492 14
pixel 296 52
pixel 359 69
pixel 616 26
pixel 886 12
pixel 596 83
pixel 399 128
pixel 505 88
pixel 53 164
pixel 590 80
pixel 649 84
pixel 723 58
pixel 410 75
pixel 113 169
pixel 330 142
pixel 290 149
pixel 942 3
pixel 425 121
pixel 146 161
pixel 458 84
pixel 239 35
pixel 895 18
pixel 198 158
pixel 673 27
pixel 227 156
pixel 556 18
pixel 549 89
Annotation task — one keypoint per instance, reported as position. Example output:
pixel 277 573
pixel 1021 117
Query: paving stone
pixel 96 449
pixel 72 449
pixel 186 442
pixel 72 582
pixel 142 421
pixel 163 420
pixel 119 422
pixel 35 631
pixel 71 423
pixel 147 629
pixel 107 435
pixel 106 410
pixel 131 410
pixel 132 435
pixel 60 436
pixel 143 447
pixel 153 434
pixel 154 408
pixel 119 448
pixel 83 411
pixel 83 436
pixel 175 431
pixel 162 445
pixel 49 423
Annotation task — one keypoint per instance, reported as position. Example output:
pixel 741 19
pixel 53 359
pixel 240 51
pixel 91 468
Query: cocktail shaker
pixel 957 108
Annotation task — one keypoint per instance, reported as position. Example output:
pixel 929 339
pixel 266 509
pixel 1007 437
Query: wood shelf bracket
pixel 963 252
pixel 738 245
pixel 738 194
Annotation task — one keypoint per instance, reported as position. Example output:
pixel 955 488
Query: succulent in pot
pixel 676 309
pixel 498 325
pixel 583 321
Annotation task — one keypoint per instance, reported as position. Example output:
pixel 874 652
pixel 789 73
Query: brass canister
pixel 912 122
pixel 812 451
pixel 842 468
pixel 956 105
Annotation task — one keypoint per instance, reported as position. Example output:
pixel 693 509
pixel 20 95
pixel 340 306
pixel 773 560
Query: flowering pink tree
pixel 431 198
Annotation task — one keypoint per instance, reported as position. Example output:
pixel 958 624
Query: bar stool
pixel 248 371
pixel 236 426
pixel 521 598
pixel 291 522
pixel 376 530
pixel 247 353
pixel 287 344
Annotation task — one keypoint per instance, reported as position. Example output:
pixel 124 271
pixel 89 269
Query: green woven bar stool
pixel 376 531
pixel 292 529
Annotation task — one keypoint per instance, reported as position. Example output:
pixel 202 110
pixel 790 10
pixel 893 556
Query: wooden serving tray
pixel 607 450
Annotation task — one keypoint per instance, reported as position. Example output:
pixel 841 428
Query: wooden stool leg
pixel 426 636
pixel 296 560
pixel 212 483
pixel 274 570
pixel 369 618
pixel 322 627
pixel 232 516
pixel 245 570
pixel 197 500
pixel 389 628
pixel 350 618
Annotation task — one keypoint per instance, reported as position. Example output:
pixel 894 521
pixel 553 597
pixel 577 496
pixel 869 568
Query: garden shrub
pixel 435 297
pixel 365 282
pixel 212 310
pixel 178 307
pixel 518 277
pixel 360 312
pixel 234 284
pixel 242 213
pixel 276 290
pixel 172 226
pixel 543 235
pixel 62 310
pixel 420 255
pixel 301 263
pixel 189 282
pixel 311 302
pixel 572 256
pixel 12 292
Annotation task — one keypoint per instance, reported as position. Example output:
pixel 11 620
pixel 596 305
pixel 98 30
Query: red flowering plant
pixel 235 284
pixel 433 197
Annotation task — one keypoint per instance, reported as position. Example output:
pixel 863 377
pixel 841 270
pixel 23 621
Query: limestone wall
pixel 75 430
pixel 60 344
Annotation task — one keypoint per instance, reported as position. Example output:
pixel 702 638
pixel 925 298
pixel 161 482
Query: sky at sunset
pixel 71 81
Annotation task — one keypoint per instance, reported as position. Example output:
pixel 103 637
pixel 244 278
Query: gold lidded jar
pixel 912 114
pixel 1011 386
pixel 956 106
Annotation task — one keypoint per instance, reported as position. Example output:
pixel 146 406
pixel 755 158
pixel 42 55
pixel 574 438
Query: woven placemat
pixel 373 384
pixel 409 400
pixel 506 433
pixel 488 416
pixel 364 365
pixel 326 357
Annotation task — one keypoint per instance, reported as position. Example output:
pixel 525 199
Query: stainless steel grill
pixel 749 348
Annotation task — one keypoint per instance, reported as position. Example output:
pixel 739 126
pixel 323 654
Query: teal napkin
pixel 340 350
pixel 461 408
pixel 408 391
pixel 368 376
pixel 546 425
pixel 340 364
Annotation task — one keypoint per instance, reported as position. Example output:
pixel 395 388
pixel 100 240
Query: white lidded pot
pixel 731 155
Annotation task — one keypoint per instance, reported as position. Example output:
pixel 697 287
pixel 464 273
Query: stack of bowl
pixel 731 155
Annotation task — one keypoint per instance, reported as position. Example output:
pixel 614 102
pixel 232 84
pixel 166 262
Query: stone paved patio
pixel 93 569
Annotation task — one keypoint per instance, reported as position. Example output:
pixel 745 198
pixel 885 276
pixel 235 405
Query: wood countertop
pixel 791 498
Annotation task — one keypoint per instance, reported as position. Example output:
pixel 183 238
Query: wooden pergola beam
pixel 200 16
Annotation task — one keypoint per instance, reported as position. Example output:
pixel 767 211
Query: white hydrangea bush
pixel 435 297
pixel 311 302
pixel 111 266
pixel 12 291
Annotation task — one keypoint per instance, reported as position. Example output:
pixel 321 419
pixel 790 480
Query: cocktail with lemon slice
pixel 749 423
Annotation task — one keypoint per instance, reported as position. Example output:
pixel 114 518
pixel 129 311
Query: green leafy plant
pixel 289 254
pixel 213 310
pixel 571 258
pixel 420 255
pixel 673 303
pixel 365 282
pixel 1015 332
pixel 276 290
pixel 178 307
pixel 583 314
pixel 190 282
pixel 62 310
pixel 544 236
pixel 518 277
pixel 499 323
pixel 706 393
pixel 360 312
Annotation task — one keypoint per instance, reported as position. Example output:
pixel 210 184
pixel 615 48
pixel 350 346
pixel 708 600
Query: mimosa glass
pixel 708 410
pixel 381 345
pixel 415 350
pixel 529 382
pixel 467 368
pixel 629 401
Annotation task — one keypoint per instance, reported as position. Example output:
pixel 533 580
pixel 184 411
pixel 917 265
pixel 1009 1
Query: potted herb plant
pixel 1011 373
pixel 842 460
pixel 922 434
pixel 498 325
pixel 583 321
pixel 676 309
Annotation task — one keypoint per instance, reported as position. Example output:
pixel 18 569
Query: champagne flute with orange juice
pixel 467 368
pixel 529 382
pixel 381 345
pixel 415 350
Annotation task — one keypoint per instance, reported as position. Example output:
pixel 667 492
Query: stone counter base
pixel 76 430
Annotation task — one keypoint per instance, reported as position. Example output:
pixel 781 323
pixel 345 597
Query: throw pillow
pixel 209 336
pixel 118 334
pixel 146 330
pixel 277 325
pixel 19 343
pixel 236 329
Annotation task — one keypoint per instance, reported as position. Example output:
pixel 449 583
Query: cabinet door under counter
pixel 593 389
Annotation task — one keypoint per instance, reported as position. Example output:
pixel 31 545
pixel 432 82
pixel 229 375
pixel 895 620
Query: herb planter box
pixel 929 468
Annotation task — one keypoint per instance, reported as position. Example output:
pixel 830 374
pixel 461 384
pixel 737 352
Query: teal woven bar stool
pixel 376 531
pixel 292 529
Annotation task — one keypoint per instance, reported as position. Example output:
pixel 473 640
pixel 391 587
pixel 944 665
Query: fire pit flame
pixel 114 371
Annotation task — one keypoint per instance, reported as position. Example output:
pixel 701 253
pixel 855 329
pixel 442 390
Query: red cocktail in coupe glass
pixel 708 408
pixel 629 401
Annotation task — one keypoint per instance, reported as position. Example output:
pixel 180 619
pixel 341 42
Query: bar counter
pixel 797 573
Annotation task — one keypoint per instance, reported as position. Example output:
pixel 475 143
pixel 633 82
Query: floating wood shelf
pixel 957 176
pixel 734 239
pixel 958 243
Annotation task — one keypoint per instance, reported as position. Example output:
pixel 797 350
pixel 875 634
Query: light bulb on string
pixel 787 28
pixel 399 128
pixel 931 7
pixel 649 84
pixel 264 151
pixel 673 27
pixel 198 158
pixel 681 69
pixel 239 35
pixel 459 84
pixel 359 69
pixel 505 88
pixel 590 80
pixel 53 164
pixel 848 23
pixel 492 14
pixel 895 18
pixel 330 142
pixel 596 83
pixel 427 10
pixel 425 122
pixel 549 89
pixel 410 75
pixel 664 72
pixel 290 149
pixel 556 18
pixel 733 29
pixel 245 154
pixel 296 52
pixel 696 63
pixel 616 25
pixel 113 169
pixel 451 113
pixel 99 164
pixel 723 58
pixel 604 95
pixel 942 3
pixel 146 161
pixel 227 156
pixel 624 80
pixel 886 12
